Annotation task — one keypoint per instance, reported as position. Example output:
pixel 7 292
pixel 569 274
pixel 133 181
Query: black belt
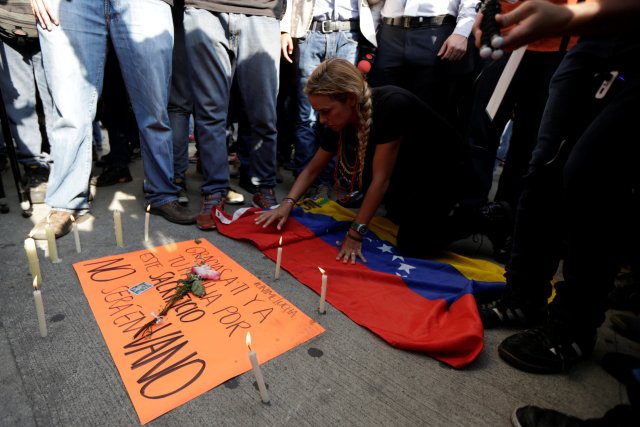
pixel 334 26
pixel 420 21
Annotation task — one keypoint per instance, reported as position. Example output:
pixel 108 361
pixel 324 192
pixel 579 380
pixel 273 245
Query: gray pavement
pixel 345 376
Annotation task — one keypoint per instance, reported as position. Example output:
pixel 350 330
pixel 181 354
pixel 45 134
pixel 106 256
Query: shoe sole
pixel 523 366
pixel 233 202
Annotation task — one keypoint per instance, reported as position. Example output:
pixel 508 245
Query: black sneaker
pixel 544 350
pixel 265 198
pixel 183 197
pixel 246 184
pixel 35 179
pixel 112 175
pixel 534 416
pixel 509 311
pixel 4 162
pixel 496 222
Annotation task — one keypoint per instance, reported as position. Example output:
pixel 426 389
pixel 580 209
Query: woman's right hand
pixel 279 214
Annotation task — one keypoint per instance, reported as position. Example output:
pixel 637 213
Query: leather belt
pixel 334 26
pixel 420 21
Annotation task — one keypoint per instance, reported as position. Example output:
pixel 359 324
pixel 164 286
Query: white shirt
pixel 335 10
pixel 463 10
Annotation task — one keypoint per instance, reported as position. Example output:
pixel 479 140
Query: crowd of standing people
pixel 407 120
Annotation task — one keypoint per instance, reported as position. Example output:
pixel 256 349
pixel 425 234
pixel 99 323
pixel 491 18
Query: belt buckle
pixel 406 21
pixel 326 30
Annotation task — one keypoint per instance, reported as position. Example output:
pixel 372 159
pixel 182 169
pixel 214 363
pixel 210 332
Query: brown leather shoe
pixel 174 212
pixel 59 220
pixel 209 203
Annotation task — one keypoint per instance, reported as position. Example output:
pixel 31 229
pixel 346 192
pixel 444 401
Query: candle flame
pixel 35 282
pixel 321 270
pixel 148 207
pixel 248 340
pixel 280 243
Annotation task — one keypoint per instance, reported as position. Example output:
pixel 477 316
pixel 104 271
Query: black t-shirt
pixel 429 146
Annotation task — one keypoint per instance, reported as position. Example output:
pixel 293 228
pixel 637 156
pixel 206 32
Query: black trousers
pixel 577 201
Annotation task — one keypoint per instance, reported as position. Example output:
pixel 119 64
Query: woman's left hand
pixel 351 249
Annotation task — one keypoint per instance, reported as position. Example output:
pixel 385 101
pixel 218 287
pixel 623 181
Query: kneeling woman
pixel 391 147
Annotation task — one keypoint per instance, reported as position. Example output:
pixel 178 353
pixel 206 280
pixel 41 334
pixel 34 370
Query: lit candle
pixel 279 259
pixel 264 394
pixel 51 242
pixel 323 292
pixel 32 256
pixel 146 224
pixel 37 297
pixel 117 221
pixel 76 235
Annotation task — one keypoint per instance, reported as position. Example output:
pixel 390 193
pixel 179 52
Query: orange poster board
pixel 201 342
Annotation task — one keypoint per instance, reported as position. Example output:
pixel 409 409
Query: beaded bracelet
pixel 352 237
pixel 290 199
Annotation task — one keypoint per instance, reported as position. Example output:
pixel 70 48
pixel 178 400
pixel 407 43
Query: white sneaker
pixel 233 198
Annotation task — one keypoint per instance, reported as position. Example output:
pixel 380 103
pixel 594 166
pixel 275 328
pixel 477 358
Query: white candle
pixel 279 259
pixel 37 298
pixel 146 224
pixel 51 242
pixel 323 292
pixel 117 221
pixel 32 257
pixel 76 235
pixel 253 358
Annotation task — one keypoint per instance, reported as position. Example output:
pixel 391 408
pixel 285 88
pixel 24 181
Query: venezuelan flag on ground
pixel 413 304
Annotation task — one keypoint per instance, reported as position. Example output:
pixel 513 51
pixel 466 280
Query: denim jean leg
pixel 19 66
pixel 210 73
pixel 311 51
pixel 180 104
pixel 257 72
pixel 73 55
pixel 142 36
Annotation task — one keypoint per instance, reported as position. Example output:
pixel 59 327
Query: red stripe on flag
pixel 378 301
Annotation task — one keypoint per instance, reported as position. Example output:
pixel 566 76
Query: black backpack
pixel 17 20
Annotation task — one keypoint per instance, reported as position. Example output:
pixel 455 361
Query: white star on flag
pixel 395 257
pixel 406 267
pixel 385 248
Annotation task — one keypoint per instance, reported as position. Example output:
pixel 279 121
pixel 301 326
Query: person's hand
pixel 454 48
pixel 350 250
pixel 44 13
pixel 279 214
pixel 530 21
pixel 533 20
pixel 286 44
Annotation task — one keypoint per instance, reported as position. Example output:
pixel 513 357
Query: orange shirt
pixel 549 44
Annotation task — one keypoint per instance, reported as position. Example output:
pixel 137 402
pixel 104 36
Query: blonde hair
pixel 337 78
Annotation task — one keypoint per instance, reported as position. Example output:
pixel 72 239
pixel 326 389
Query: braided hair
pixel 337 78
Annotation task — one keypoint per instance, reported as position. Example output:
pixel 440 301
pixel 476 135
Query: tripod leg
pixel 23 193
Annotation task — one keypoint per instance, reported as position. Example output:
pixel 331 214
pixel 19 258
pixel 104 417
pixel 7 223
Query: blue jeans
pixel 21 74
pixel 74 58
pixel 180 98
pixel 221 47
pixel 310 51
